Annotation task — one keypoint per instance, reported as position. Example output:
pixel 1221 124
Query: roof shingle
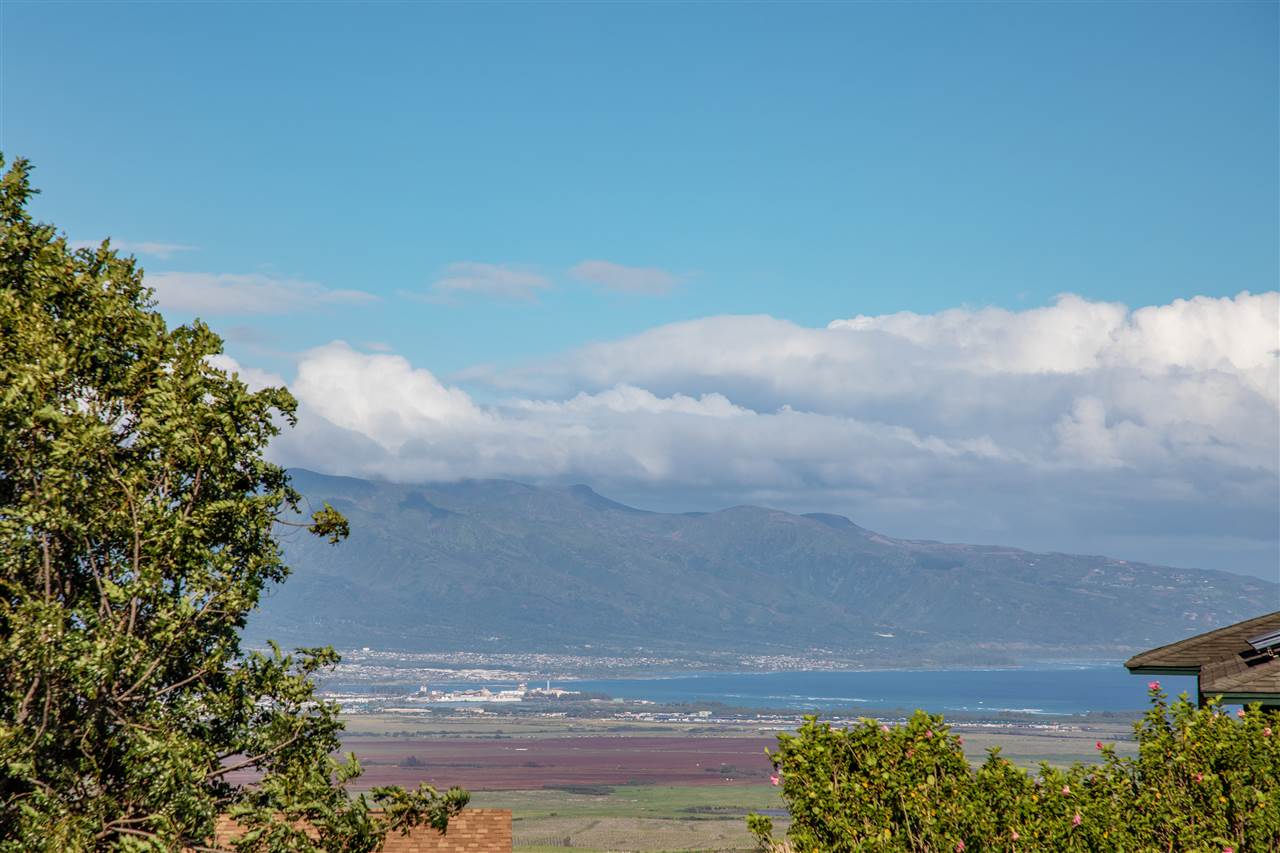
pixel 1206 648
pixel 1223 659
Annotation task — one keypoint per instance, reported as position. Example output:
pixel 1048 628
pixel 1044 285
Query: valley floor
pixel 646 818
pixel 610 785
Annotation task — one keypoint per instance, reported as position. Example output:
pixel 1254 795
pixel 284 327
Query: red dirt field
pixel 490 764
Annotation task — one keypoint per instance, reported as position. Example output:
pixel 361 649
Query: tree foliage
pixel 138 521
pixel 1202 781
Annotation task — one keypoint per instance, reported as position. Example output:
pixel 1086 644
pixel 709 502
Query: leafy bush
pixel 1203 780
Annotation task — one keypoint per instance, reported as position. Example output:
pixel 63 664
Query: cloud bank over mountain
pixel 1152 433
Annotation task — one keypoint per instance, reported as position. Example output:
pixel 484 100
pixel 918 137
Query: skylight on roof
pixel 1266 642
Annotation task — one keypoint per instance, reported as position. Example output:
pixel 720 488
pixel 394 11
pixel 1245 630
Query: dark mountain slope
pixel 501 565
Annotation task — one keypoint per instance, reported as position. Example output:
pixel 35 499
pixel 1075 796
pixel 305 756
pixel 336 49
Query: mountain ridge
pixel 503 565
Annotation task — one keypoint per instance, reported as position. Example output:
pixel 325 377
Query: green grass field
pixel 1023 746
pixel 640 818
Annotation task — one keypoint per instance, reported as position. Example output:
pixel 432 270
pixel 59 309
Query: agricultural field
pixel 488 764
pixel 610 785
pixel 636 817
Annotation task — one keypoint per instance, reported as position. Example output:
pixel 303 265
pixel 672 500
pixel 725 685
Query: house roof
pixel 1225 660
pixel 470 831
pixel 1235 676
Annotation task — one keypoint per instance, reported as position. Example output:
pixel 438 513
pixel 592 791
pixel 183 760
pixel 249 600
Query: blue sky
pixel 483 190
pixel 807 161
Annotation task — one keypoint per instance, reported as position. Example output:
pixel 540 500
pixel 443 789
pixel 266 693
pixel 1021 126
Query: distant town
pixel 543 686
pixel 368 666
pixel 552 703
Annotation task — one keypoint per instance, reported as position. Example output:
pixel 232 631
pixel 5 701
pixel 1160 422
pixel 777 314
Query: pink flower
pixel 884 729
pixel 1240 713
pixel 910 752
pixel 1266 732
pixel 1075 821
pixel 929 733
pixel 1154 685
pixel 1228 850
pixel 960 741
pixel 959 847
pixel 1199 777
pixel 1014 836
pixel 774 778
pixel 1066 790
pixel 1097 744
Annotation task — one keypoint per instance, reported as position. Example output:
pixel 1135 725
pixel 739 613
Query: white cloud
pixel 253 377
pixel 613 276
pixel 629 399
pixel 380 396
pixel 428 430
pixel 1057 426
pixel 164 251
pixel 250 293
pixel 1074 334
pixel 955 372
pixel 496 280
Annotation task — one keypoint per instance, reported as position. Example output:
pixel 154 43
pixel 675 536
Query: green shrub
pixel 1203 780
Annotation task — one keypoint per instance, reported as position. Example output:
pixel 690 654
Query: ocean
pixel 1049 690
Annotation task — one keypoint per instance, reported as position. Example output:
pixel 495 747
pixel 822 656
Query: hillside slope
pixel 498 565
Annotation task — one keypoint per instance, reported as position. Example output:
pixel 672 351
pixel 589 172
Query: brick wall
pixel 472 831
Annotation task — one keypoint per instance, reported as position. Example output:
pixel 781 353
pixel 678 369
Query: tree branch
pixel 104 603
pixel 142 833
pixel 250 762
pixel 25 707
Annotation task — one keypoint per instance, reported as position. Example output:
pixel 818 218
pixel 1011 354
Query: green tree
pixel 1201 781
pixel 137 531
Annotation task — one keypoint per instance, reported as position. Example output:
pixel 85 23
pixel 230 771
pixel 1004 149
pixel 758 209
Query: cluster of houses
pixel 487 696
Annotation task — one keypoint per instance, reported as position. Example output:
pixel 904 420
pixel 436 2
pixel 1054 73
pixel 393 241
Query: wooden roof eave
pixel 1244 698
pixel 1139 669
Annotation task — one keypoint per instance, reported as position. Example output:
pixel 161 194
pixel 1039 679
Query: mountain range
pixel 504 566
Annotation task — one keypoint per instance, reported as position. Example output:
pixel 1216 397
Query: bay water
pixel 1048 690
